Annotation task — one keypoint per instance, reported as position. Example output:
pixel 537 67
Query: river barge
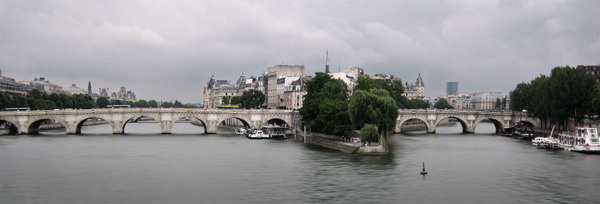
pixel 582 139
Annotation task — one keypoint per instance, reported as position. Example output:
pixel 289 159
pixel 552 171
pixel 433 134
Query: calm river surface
pixel 144 166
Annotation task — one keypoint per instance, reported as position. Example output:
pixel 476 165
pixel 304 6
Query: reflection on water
pixel 188 166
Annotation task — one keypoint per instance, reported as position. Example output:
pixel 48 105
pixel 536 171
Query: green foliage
pixel 177 104
pixel 416 104
pixel 442 103
pixel 334 118
pixel 141 103
pixel 226 100
pixel 373 107
pixel 369 133
pixel 35 94
pixel 392 87
pixel 153 104
pixel 101 101
pixel 236 100
pixel 166 104
pixel 325 106
pixel 252 99
pixel 567 92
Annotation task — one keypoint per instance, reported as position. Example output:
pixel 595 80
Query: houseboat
pixel 582 139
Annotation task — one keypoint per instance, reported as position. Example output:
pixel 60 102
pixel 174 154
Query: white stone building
pixel 278 72
pixel 486 101
pixel 415 90
pixel 123 95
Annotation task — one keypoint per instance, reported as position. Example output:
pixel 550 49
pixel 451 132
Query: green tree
pixel 373 107
pixel 498 105
pixel 226 100
pixel 166 104
pixel 177 104
pixel 235 100
pixel 6 101
pixel 392 87
pixel 35 94
pixel 325 105
pixel 312 99
pixel 252 99
pixel 417 104
pixel 571 93
pixel 518 99
pixel 153 104
pixel 369 133
pixel 141 103
pixel 442 103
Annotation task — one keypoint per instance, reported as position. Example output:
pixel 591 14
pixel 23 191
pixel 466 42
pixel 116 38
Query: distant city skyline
pixel 167 50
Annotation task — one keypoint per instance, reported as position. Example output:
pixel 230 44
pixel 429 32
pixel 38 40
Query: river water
pixel 144 166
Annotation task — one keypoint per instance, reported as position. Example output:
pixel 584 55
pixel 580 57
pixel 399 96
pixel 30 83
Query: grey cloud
pixel 166 50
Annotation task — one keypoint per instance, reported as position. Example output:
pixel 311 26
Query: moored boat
pixel 582 139
pixel 546 142
pixel 240 131
pixel 257 134
pixel 275 131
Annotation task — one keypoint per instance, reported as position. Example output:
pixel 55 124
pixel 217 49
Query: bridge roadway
pixel 26 122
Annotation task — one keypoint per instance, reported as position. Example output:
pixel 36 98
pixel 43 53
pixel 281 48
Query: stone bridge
pixel 467 118
pixel 25 122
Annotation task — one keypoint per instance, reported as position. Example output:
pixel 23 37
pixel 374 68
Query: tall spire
pixel 327 62
pixel 90 87
pixel 420 80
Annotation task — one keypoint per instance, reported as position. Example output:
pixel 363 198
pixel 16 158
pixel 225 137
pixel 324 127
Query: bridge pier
pixel 71 128
pixel 166 126
pixel 117 127
pixel 431 127
pixel 211 127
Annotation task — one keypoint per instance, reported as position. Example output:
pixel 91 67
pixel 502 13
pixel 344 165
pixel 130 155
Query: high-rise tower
pixel 327 62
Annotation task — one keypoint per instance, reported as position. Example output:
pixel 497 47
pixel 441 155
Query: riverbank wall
pixel 337 143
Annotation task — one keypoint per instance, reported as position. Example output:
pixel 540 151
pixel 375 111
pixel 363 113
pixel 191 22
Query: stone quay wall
pixel 336 142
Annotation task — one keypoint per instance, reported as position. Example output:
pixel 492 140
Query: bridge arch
pixel 203 121
pixel 79 123
pixel 466 127
pixel 34 126
pixel 11 125
pixel 497 123
pixel 400 123
pixel 244 119
pixel 275 118
pixel 277 121
pixel 129 117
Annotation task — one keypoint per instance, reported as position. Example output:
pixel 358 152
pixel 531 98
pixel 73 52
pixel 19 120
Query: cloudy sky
pixel 166 50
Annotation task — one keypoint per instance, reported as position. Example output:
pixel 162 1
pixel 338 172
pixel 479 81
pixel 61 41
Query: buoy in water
pixel 423 172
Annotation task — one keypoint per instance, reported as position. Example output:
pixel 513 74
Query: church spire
pixel 420 80
pixel 327 62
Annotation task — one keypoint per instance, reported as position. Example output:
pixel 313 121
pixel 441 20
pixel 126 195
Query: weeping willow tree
pixel 369 133
pixel 374 107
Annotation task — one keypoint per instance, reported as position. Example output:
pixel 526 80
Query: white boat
pixel 546 142
pixel 275 131
pixel 257 134
pixel 582 139
pixel 240 131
